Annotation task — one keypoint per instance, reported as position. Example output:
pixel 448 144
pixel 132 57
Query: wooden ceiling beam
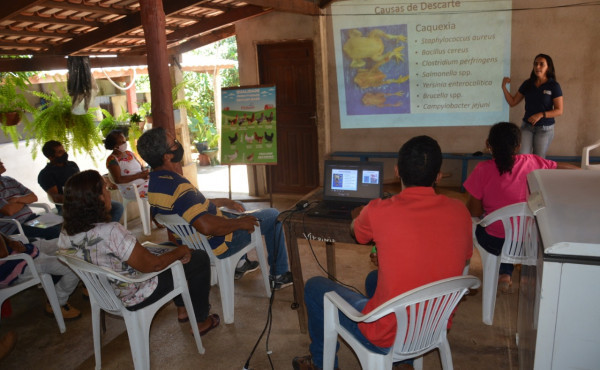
pixel 48 63
pixel 26 33
pixel 291 6
pixel 231 16
pixel 54 20
pixel 10 9
pixel 115 28
pixel 90 7
pixel 204 40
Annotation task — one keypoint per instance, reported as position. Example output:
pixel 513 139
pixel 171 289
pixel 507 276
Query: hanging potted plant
pixel 14 104
pixel 124 122
pixel 55 120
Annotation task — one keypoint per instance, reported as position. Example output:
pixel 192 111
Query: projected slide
pixel 431 63
pixel 344 180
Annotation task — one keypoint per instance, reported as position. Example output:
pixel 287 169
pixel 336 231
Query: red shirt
pixel 421 237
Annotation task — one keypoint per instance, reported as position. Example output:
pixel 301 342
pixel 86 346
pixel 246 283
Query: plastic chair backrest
pixel 585 157
pixel 102 296
pixel 224 268
pixel 129 192
pixel 188 234
pixel 520 230
pixel 423 313
pixel 422 316
pixel 96 280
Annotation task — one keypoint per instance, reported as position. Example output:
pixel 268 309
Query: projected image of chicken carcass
pixel 375 65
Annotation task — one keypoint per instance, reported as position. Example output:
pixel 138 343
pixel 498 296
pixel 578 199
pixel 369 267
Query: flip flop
pixel 183 320
pixel 215 321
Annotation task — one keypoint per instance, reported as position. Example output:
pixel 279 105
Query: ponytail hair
pixel 504 139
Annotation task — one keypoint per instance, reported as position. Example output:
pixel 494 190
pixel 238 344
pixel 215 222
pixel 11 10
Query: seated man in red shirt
pixel 421 237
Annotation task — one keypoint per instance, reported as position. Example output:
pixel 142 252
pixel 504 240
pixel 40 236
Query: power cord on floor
pixel 269 322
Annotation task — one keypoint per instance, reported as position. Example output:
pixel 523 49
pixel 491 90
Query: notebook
pixel 347 185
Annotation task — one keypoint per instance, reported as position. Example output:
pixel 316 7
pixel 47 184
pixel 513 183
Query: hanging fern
pixel 56 121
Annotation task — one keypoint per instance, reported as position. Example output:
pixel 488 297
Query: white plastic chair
pixel 20 234
pixel 422 317
pixel 585 157
pixel 225 268
pixel 102 297
pixel 520 247
pixel 129 192
pixel 36 278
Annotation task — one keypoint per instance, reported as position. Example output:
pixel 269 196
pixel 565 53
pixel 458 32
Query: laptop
pixel 347 185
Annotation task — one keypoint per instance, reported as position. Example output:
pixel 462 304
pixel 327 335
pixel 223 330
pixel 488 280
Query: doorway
pixel 290 67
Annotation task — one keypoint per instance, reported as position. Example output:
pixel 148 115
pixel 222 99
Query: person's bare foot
pixel 505 283
pixel 7 343
pixel 182 315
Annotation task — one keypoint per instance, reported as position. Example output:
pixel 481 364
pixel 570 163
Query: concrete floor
pixel 41 346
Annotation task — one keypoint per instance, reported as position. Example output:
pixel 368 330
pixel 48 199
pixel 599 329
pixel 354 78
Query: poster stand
pixel 270 198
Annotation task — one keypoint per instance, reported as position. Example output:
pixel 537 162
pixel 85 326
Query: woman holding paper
pixel 543 102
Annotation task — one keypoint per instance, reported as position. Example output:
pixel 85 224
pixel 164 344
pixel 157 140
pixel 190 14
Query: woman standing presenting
pixel 543 102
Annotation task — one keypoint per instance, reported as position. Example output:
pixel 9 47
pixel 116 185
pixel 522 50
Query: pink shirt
pixel 496 191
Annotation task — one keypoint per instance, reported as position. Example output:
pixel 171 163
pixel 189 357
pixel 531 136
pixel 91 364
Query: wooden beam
pixel 115 28
pixel 48 63
pixel 231 16
pixel 204 40
pixel 54 20
pixel 291 6
pixel 11 8
pixel 90 7
pixel 153 17
pixel 27 33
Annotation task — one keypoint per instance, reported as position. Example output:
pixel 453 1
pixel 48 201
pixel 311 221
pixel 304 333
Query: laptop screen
pixel 352 181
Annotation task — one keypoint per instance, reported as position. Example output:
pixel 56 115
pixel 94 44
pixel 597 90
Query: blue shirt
pixel 170 193
pixel 540 99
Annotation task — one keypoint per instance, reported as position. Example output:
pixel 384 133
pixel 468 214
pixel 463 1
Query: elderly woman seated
pixel 124 165
pixel 88 234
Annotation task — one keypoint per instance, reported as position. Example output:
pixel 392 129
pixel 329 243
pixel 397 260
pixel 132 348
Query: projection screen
pixel 421 64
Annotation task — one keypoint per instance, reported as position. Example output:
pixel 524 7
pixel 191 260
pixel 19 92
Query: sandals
pixel 215 321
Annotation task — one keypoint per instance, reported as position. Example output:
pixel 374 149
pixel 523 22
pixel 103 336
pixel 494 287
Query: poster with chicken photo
pixel 249 121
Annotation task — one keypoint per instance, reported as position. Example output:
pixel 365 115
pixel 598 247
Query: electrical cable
pixel 269 322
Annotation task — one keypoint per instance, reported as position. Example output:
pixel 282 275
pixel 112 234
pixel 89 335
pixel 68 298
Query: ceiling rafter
pixel 114 29
pixel 12 8
pixel 88 8
pixel 207 38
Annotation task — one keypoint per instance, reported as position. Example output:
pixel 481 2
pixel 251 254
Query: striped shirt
pixel 9 188
pixel 170 193
pixel 11 269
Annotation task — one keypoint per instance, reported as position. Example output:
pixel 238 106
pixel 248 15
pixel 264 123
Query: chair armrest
pixel 20 235
pixel 84 265
pixel 18 256
pixel 41 205
pixel 342 305
pixel 28 259
pixel 505 212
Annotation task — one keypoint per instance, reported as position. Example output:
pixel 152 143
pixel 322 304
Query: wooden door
pixel 290 67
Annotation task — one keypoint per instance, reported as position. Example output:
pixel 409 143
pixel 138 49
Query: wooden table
pixel 297 224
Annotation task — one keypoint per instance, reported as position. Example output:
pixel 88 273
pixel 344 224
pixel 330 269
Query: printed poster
pixel 248 126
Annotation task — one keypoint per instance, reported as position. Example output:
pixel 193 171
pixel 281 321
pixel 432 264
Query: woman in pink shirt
pixel 500 182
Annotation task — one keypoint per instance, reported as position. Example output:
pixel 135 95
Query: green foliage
pixel 13 87
pixel 126 122
pixel 55 121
